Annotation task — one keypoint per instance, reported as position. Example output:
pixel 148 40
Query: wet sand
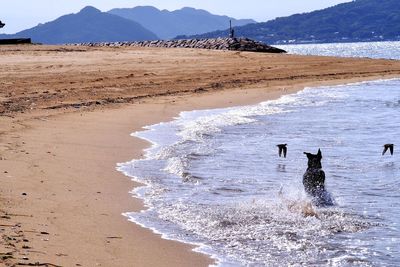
pixel 66 115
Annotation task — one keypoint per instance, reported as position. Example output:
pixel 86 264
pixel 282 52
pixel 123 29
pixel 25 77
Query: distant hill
pixel 186 21
pixel 89 25
pixel 360 20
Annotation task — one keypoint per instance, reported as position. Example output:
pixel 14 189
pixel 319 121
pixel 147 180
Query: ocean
pixel 214 178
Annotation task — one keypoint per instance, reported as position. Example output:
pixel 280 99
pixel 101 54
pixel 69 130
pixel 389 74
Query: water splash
pixel 214 177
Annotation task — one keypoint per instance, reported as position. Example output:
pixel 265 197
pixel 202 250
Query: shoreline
pixel 243 102
pixel 63 194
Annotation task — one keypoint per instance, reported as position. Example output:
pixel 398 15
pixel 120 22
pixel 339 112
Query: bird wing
pixel 280 152
pixel 384 150
pixel 391 150
pixel 284 151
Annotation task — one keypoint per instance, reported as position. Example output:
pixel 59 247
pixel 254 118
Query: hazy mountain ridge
pixel 360 20
pixel 186 21
pixel 89 25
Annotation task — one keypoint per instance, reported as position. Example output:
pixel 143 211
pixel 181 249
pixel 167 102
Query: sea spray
pixel 213 178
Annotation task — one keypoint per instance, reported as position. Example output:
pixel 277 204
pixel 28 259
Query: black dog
pixel 314 181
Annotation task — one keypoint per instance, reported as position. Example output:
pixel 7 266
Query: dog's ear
pixel 308 155
pixel 319 154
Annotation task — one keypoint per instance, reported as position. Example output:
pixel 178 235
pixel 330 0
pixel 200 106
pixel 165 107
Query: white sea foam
pixel 213 179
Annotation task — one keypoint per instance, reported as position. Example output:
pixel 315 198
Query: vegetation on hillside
pixel 360 20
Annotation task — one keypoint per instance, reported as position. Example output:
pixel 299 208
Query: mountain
pixel 89 25
pixel 359 20
pixel 186 21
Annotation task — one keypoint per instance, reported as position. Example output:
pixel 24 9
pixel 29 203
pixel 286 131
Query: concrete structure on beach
pixel 14 40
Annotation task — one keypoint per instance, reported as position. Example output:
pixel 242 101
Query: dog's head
pixel 314 161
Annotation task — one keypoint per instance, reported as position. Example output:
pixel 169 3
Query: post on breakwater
pixel 231 30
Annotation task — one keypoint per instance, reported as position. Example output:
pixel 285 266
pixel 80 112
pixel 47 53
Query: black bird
pixel 282 148
pixel 386 147
pixel 2 24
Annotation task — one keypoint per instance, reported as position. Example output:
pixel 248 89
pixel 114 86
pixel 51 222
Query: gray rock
pixel 234 44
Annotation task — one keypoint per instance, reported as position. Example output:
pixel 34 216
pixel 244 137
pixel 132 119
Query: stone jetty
pixel 233 44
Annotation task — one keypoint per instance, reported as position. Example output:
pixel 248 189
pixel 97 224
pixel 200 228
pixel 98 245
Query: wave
pixel 211 178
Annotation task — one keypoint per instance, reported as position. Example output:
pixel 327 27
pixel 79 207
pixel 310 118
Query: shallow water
pixel 214 178
pixel 387 50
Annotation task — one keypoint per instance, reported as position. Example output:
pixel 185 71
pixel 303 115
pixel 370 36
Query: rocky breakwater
pixel 233 44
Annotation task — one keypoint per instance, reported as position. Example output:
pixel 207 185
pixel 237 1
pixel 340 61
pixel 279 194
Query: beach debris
pixel 61 255
pixel 114 237
pixel 386 147
pixel 5 256
pixel 19 215
pixel 282 150
pixel 8 225
pixel 37 264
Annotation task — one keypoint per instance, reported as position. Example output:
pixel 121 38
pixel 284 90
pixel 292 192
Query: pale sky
pixel 22 14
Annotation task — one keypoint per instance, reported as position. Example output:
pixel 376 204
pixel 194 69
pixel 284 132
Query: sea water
pixel 387 50
pixel 214 178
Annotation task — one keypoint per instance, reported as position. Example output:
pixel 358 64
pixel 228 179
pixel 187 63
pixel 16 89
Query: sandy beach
pixel 66 114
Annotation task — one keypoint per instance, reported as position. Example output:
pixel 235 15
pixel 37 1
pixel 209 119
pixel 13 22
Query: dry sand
pixel 66 115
